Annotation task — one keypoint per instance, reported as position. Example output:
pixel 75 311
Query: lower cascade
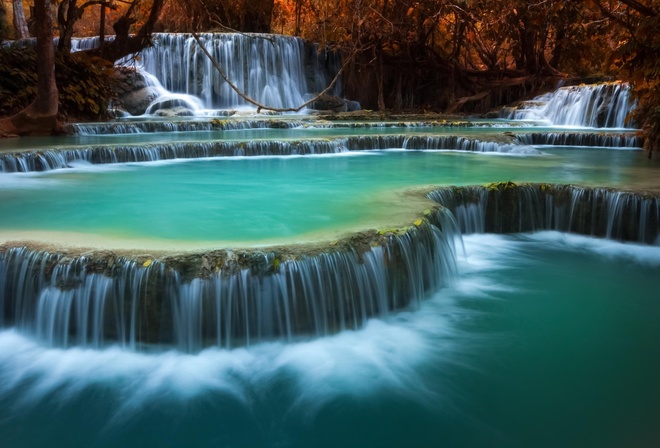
pixel 232 298
pixel 511 208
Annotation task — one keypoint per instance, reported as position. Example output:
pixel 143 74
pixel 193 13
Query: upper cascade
pixel 274 70
pixel 605 105
pixel 180 80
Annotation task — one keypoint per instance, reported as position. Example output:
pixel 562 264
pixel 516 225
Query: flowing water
pixel 274 198
pixel 537 339
pixel 606 105
pixel 274 70
pixel 547 340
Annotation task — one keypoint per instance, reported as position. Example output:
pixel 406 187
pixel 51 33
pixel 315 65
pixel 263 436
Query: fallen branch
pixel 458 104
pixel 260 106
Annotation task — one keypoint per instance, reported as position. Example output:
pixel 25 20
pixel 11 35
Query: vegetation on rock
pixel 86 84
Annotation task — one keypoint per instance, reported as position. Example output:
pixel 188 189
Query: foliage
pixel 636 56
pixel 443 50
pixel 252 16
pixel 4 25
pixel 415 53
pixel 85 84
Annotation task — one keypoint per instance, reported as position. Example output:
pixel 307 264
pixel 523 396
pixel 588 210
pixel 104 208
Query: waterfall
pixel 57 159
pixel 597 106
pixel 608 140
pixel 274 70
pixel 62 158
pixel 230 298
pixel 234 299
pixel 152 126
pixel 511 208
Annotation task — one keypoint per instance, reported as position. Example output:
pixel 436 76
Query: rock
pixel 137 102
pixel 171 107
pixel 333 103
pixel 135 93
pixel 175 112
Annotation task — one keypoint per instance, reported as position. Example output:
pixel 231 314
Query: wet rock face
pixel 134 92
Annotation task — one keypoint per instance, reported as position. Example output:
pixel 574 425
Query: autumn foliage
pixel 457 55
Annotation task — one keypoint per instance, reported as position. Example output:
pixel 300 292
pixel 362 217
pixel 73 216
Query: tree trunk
pixel 45 104
pixel 68 14
pixel 127 42
pixel 102 27
pixel 20 24
pixel 379 76
pixel 40 117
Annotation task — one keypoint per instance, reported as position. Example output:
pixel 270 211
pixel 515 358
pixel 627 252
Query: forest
pixel 466 56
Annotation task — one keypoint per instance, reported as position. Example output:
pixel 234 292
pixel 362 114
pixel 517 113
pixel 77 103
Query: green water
pixel 547 341
pixel 266 198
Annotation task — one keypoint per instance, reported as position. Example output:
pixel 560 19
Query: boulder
pixel 135 92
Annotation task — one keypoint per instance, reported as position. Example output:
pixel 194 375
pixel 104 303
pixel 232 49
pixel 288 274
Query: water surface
pixel 547 340
pixel 253 199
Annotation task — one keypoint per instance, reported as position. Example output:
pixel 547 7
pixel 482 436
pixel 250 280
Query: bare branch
pixel 105 3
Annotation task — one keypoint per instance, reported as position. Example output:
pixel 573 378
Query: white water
pixel 387 351
pixel 47 160
pixel 308 296
pixel 430 376
pixel 277 71
pixel 594 106
pixel 588 211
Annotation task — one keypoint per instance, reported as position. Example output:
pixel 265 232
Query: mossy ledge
pixel 221 297
pixel 235 297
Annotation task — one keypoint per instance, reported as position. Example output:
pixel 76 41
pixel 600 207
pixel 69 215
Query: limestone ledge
pixel 503 199
pixel 202 259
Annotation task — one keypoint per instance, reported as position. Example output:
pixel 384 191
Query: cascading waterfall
pixel 511 208
pixel 582 139
pixel 275 70
pixel 154 126
pixel 95 344
pixel 62 158
pixel 238 299
pixel 598 106
pixel 57 159
pixel 230 299
pixel 223 123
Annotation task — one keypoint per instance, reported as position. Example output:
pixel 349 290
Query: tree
pixel 68 13
pixel 20 24
pixel 249 16
pixel 4 29
pixel 40 117
pixel 637 55
pixel 133 28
